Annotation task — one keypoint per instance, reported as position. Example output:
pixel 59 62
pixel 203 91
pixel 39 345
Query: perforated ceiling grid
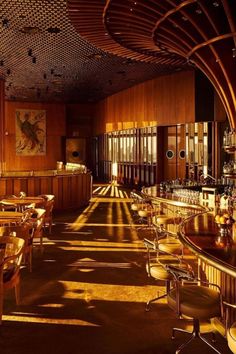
pixel 43 57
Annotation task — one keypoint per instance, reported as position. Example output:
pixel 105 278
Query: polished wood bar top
pixel 201 234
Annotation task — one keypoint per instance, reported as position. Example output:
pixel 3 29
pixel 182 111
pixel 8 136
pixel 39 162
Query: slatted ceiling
pixel 68 67
pixel 174 33
pixel 83 60
pixel 94 31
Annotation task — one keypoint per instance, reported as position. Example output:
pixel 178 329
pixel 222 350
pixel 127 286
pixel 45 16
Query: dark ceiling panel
pixel 44 58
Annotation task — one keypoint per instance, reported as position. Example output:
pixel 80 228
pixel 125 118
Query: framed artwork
pixel 30 132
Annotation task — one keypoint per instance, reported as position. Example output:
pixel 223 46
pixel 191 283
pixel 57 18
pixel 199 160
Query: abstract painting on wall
pixel 30 132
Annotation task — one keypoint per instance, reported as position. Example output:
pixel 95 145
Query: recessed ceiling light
pixel 198 11
pixel 30 30
pixel 5 23
pixel 95 56
pixel 53 30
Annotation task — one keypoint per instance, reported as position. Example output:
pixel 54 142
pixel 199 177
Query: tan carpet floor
pixel 88 289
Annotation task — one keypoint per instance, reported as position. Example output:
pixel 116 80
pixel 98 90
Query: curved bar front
pixel 71 190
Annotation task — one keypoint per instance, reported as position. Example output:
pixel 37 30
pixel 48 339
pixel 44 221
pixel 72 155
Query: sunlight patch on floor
pixel 92 264
pixel 54 321
pixel 107 292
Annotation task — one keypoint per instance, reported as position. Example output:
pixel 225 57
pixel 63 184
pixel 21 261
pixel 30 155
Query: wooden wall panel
pixel 55 130
pixel 165 100
pixel 71 191
pixel 79 120
pixel 3 186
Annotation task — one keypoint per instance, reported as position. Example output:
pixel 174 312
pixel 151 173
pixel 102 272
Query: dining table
pixel 9 217
pixel 22 202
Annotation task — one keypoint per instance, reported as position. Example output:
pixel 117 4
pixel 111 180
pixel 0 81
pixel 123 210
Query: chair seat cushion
pixel 164 220
pixel 158 270
pixel 144 213
pixel 135 207
pixel 170 245
pixel 198 302
pixel 231 337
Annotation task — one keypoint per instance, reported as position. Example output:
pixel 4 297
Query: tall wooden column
pixel 2 125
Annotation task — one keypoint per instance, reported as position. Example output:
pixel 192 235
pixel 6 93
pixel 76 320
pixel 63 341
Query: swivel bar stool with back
pixel 157 260
pixel 196 299
pixel 230 327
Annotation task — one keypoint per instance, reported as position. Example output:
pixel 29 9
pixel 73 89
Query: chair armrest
pixel 180 273
pixel 151 245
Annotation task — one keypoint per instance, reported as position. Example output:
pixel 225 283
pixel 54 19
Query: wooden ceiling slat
pixel 169 32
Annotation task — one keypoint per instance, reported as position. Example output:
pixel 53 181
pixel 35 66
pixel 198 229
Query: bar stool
pixel 230 329
pixel 157 261
pixel 189 297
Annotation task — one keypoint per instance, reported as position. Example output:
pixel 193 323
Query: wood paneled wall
pixel 162 101
pixel 55 130
pixel 79 120
pixel 70 191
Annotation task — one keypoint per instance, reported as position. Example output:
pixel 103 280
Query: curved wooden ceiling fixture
pixel 202 31
pixel 87 18
pixel 199 32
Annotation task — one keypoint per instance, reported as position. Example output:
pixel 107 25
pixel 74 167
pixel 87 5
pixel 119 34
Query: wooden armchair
pixel 37 220
pixel 48 205
pixel 11 252
pixel 24 231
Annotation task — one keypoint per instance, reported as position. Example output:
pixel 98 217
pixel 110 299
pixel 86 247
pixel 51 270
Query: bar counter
pixel 71 189
pixel 216 254
pixel 200 233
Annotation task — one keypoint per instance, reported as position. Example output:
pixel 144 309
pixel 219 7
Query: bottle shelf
pixel 230 175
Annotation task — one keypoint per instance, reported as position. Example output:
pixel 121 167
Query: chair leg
pixel 158 297
pixel 17 292
pixel 50 227
pixel 30 260
pixel 41 240
pixel 194 334
pixel 155 299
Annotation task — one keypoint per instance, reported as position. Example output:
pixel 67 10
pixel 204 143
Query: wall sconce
pixel 234 52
